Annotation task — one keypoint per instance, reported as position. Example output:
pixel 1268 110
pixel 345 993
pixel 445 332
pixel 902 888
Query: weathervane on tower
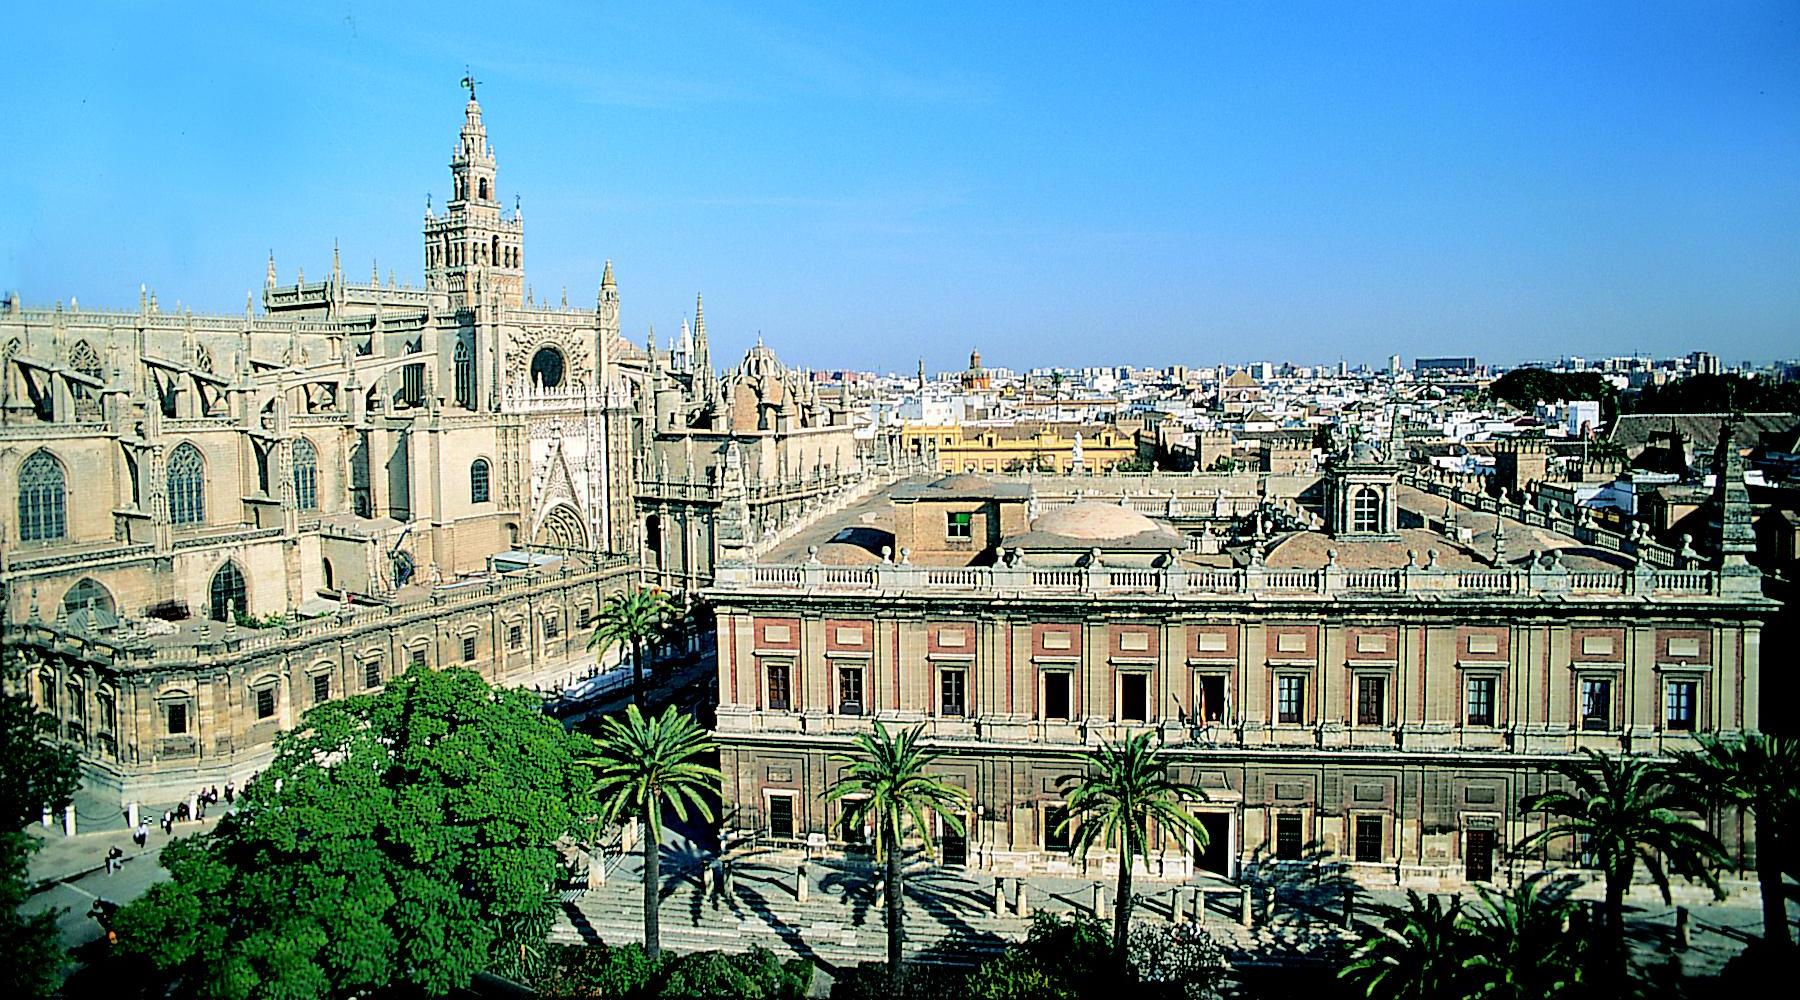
pixel 469 82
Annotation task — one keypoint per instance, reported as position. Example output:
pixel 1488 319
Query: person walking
pixel 141 835
pixel 113 854
pixel 168 822
pixel 230 793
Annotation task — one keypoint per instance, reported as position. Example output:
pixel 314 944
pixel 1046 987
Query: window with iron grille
pixel 468 648
pixel 321 688
pixel 372 674
pixel 552 627
pixel 416 659
pixel 850 690
pixel 1288 838
pixel 515 636
pixel 1368 838
pixel 1056 830
pixel 175 719
pixel 265 702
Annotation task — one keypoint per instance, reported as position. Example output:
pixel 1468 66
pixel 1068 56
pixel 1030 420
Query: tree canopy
pixel 1719 394
pixel 1525 388
pixel 38 773
pixel 403 839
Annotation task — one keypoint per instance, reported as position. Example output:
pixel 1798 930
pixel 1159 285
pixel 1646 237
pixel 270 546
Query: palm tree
pixel 1521 944
pixel 1760 773
pixel 641 764
pixel 635 617
pixel 1622 809
pixel 1125 786
pixel 1416 954
pixel 886 781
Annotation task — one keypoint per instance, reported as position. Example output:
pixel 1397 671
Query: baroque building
pixel 213 522
pixel 1367 667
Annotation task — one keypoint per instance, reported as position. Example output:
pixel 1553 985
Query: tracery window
pixel 42 496
pixel 226 598
pixel 187 485
pixel 465 376
pixel 306 475
pixel 478 481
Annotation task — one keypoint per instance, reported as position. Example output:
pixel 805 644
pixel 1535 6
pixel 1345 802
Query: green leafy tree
pixel 886 780
pixel 1762 774
pixel 403 839
pixel 1415 954
pixel 1525 945
pixel 636 618
pixel 1622 810
pixel 1125 786
pixel 642 764
pixel 38 773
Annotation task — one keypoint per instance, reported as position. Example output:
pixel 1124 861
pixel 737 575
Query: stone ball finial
pixel 887 553
pixel 905 556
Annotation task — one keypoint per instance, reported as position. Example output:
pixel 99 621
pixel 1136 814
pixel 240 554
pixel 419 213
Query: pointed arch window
pixel 306 475
pixel 42 498
pixel 89 593
pixel 1365 514
pixel 226 597
pixel 482 185
pixel 187 485
pixel 478 481
pixel 465 376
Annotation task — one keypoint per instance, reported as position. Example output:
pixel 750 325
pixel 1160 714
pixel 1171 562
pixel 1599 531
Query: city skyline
pixel 1510 183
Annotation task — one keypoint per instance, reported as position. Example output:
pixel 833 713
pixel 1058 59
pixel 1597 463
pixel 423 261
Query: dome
pixel 1096 522
pixel 961 481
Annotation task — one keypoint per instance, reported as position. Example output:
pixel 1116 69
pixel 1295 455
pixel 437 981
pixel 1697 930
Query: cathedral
pixel 298 502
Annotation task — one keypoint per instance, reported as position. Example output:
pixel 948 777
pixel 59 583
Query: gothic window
pixel 478 481
pixel 547 367
pixel 1365 514
pixel 84 359
pixel 306 475
pixel 226 597
pixel 412 385
pixel 41 498
pixel 483 188
pixel 465 376
pixel 187 485
pixel 88 593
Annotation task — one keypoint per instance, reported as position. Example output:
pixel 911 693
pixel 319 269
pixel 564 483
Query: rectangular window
pixel 1134 697
pixel 265 702
pixel 781 817
pixel 515 636
pixel 850 690
pixel 416 660
pixel 321 688
pixel 1210 695
pixel 1056 694
pixel 959 527
pixel 468 651
pixel 951 685
pixel 1056 835
pixel 1480 707
pixel 176 718
pixel 585 616
pixel 1290 692
pixel 1371 700
pixel 1287 837
pixel 371 674
pixel 1368 838
pixel 852 829
pixel 1596 703
pixel 552 627
pixel 780 687
pixel 1678 705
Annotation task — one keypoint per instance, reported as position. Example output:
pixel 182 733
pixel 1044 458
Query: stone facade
pixel 211 521
pixel 1374 704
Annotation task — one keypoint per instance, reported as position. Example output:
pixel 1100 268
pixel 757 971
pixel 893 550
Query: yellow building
pixel 1022 446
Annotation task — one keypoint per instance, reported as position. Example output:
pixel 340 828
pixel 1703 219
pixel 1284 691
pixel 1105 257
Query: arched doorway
pixel 226 596
pixel 562 528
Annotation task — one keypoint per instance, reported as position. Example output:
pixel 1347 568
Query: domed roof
pixel 1096 522
pixel 960 481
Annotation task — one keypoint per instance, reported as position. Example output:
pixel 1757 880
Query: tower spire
pixel 269 279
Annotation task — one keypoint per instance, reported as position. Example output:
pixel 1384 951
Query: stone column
pixel 800 882
pixel 69 820
pixel 999 897
pixel 1199 906
pixel 1022 905
pixel 131 815
pixel 1100 900
pixel 1177 912
pixel 1244 916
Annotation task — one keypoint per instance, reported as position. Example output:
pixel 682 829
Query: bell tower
pixel 473 250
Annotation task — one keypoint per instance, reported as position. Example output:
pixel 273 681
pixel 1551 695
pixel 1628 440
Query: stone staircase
pixel 950 918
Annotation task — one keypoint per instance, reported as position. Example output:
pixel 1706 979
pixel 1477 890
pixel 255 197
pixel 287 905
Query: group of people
pixel 140 835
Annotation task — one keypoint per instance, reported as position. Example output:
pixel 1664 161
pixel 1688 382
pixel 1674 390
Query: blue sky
pixel 866 183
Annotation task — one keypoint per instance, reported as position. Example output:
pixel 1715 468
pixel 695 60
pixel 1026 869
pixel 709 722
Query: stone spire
pixel 702 357
pixel 269 278
pixel 337 265
pixel 1731 508
pixel 606 309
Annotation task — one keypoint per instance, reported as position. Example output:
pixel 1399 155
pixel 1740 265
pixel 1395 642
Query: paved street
pixel 71 872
